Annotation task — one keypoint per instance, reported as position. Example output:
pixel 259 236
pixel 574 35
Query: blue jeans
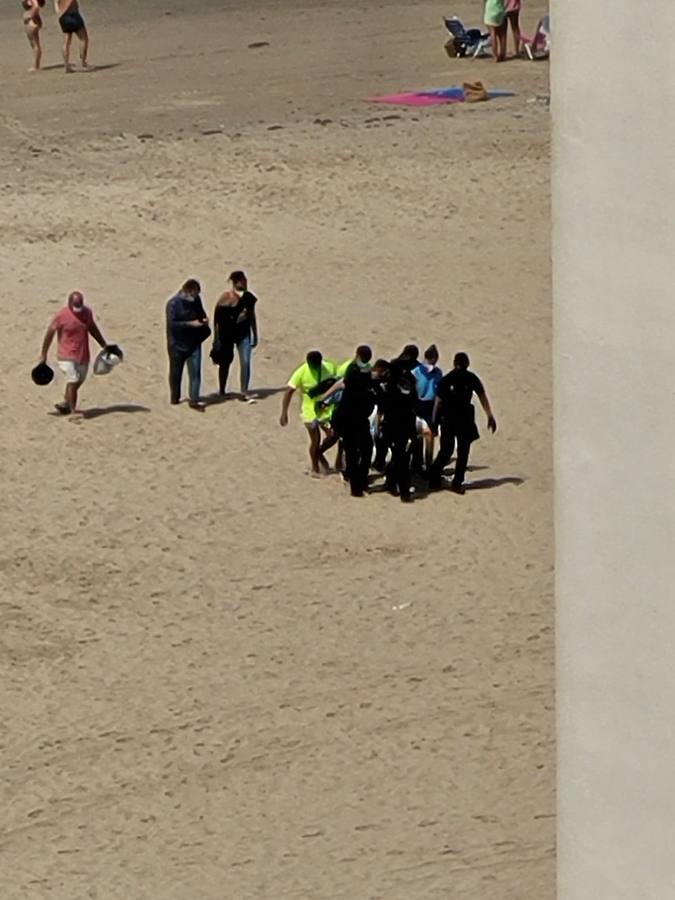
pixel 245 352
pixel 177 362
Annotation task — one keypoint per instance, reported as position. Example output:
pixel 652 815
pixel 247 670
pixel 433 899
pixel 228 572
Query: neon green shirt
pixel 303 380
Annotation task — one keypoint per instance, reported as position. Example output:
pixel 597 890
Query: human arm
pixel 435 416
pixel 95 332
pixel 200 312
pixel 485 403
pixel 338 386
pixel 177 322
pixel 254 330
pixel 47 342
pixel 285 405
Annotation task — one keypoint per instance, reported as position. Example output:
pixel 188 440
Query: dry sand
pixel 207 692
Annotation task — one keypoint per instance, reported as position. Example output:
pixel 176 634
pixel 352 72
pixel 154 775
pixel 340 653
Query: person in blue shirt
pixel 187 328
pixel 428 376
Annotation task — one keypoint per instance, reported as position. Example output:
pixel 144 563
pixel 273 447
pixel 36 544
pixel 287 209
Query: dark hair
pixel 192 285
pixel 462 360
pixel 411 352
pixel 381 364
pixel 314 358
pixel 238 276
pixel 364 353
pixel 431 351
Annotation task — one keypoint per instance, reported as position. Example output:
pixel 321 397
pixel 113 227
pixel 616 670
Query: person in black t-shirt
pixel 351 422
pixel 398 405
pixel 456 415
pixel 235 325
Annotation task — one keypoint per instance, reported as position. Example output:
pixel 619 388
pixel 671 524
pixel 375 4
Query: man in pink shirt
pixel 72 326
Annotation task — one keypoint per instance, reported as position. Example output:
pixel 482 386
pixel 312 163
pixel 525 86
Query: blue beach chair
pixel 465 41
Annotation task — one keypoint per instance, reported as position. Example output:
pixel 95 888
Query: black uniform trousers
pixel 357 442
pixel 460 429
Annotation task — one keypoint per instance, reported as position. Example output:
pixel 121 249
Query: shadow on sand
pixel 485 484
pixel 259 394
pixel 97 411
pixel 78 71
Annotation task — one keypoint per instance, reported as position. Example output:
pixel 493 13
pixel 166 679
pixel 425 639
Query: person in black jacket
pixel 397 405
pixel 351 422
pixel 187 328
pixel 456 415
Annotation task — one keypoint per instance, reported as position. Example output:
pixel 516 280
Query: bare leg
pixel 68 40
pixel 71 395
pixel 84 47
pixel 494 42
pixel 37 46
pixel 514 19
pixel 330 440
pixel 314 441
pixel 33 35
pixel 503 33
pixel 428 448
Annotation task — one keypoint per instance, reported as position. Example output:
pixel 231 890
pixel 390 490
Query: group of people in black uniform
pixel 385 416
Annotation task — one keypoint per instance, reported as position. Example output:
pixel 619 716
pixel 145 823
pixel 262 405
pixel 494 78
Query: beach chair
pixel 467 41
pixel 539 46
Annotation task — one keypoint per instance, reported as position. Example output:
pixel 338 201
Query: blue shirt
pixel 427 381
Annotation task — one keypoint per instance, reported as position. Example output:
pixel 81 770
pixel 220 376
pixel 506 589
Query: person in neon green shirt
pixel 312 379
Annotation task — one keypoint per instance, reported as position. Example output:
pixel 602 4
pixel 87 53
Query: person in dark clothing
pixel 409 360
pixel 235 325
pixel 410 356
pixel 187 328
pixel 380 375
pixel 351 422
pixel 398 404
pixel 361 361
pixel 455 414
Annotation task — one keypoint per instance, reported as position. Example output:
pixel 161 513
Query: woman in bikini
pixel 71 22
pixel 32 22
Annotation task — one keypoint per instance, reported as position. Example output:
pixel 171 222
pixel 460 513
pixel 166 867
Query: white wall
pixel 614 296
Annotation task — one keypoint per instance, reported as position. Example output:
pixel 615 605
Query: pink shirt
pixel 512 6
pixel 72 331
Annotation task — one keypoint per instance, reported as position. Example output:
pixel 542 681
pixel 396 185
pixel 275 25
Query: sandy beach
pixel 222 680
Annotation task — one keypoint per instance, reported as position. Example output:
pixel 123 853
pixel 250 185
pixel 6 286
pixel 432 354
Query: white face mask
pixel 361 364
pixel 77 309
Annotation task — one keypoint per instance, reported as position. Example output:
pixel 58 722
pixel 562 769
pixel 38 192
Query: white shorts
pixel 75 373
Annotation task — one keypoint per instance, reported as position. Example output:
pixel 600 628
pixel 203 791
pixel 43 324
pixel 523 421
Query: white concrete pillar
pixel 613 107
